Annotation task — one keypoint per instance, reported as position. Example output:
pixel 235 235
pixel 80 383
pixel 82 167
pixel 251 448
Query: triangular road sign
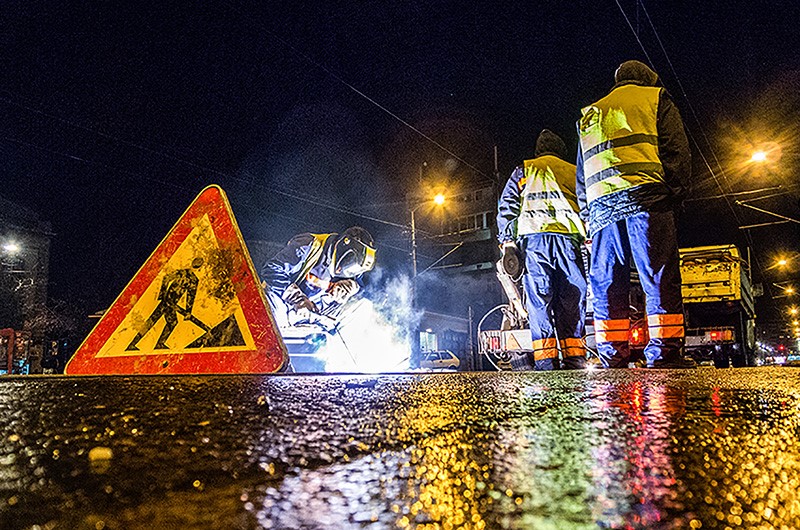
pixel 195 307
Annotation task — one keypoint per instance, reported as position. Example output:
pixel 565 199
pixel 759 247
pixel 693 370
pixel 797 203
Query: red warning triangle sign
pixel 195 307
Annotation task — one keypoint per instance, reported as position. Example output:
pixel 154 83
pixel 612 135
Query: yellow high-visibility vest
pixel 549 203
pixel 619 140
pixel 313 256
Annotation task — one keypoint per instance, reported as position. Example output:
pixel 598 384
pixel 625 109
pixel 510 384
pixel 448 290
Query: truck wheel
pixel 720 357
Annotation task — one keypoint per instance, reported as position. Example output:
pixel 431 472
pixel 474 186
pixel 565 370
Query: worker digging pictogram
pixel 195 306
pixel 175 286
pixel 190 311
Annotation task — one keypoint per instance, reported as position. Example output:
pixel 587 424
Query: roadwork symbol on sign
pixel 195 306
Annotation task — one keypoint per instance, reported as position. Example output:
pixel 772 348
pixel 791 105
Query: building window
pixel 427 341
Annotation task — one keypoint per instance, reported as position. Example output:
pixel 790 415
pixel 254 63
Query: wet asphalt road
pixel 699 448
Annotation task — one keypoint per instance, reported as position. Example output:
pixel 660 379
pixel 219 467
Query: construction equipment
pixel 310 332
pixel 513 336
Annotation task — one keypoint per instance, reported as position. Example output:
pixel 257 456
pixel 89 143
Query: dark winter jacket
pixel 673 152
pixel 305 261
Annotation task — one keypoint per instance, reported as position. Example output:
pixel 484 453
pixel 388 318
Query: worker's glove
pixel 298 301
pixel 341 291
pixel 510 259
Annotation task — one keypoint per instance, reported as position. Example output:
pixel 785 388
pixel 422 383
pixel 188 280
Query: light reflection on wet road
pixel 619 449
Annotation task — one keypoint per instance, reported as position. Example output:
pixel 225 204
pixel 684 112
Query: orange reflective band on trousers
pixel 667 326
pixel 545 349
pixel 573 347
pixel 612 330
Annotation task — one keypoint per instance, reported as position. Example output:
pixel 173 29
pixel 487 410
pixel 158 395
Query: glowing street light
pixel 11 247
pixel 438 199
pixel 759 156
pixel 789 290
pixel 792 310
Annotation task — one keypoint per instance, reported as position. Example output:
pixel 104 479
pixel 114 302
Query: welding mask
pixel 353 253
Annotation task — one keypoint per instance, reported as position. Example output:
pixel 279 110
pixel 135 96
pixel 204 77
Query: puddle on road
pixel 571 453
pixel 626 449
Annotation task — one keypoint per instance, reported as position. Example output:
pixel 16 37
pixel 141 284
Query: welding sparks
pixel 367 343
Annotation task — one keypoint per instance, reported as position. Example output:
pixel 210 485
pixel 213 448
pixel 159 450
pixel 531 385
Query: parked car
pixel 439 360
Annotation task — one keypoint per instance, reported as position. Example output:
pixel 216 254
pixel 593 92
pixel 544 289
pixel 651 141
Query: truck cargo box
pixel 716 274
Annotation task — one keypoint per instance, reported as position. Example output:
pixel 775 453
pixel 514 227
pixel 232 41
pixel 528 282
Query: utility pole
pixel 472 364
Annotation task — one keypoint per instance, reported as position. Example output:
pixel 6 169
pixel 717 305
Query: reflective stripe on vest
pixel 666 326
pixel 312 258
pixel 549 203
pixel 619 141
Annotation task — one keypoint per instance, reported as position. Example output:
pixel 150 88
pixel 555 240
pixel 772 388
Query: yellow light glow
pixel 439 199
pixel 759 156
pixel 793 311
pixel 789 290
pixel 782 262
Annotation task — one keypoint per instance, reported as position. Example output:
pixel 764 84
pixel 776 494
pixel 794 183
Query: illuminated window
pixel 427 341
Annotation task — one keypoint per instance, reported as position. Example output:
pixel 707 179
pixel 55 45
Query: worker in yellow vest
pixel 632 168
pixel 538 215
pixel 316 270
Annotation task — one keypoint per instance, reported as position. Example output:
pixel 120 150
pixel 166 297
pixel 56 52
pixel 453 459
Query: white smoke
pixel 377 335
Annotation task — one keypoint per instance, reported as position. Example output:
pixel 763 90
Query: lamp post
pixel 438 200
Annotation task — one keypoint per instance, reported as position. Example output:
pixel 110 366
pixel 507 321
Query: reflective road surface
pixel 699 448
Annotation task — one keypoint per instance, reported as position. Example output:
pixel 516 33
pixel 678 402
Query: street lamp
pixel 438 200
pixel 11 248
pixel 759 156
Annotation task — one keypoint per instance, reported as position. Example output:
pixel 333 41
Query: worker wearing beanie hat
pixel 633 163
pixel 538 214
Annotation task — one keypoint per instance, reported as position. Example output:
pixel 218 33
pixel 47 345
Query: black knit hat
pixel 549 143
pixel 636 71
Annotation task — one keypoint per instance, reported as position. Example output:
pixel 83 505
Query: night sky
pixel 116 114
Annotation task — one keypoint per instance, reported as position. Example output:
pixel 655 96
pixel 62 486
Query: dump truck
pixel 719 307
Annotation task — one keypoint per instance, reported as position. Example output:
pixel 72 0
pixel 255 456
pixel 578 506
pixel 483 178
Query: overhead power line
pixel 738 193
pixel 316 201
pixel 726 193
pixel 359 92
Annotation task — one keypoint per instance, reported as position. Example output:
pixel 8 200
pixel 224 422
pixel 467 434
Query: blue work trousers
pixel 555 289
pixel 649 240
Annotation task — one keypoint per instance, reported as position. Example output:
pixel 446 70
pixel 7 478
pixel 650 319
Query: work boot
pixel 680 362
pixel 546 365
pixel 573 362
pixel 521 362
